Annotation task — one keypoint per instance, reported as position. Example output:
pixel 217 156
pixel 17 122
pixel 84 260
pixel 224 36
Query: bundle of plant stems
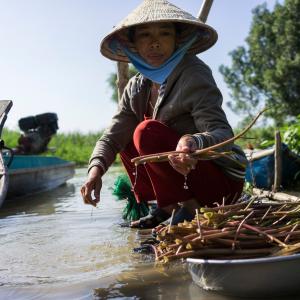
pixel 211 152
pixel 248 229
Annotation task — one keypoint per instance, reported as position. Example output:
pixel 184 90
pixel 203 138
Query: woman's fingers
pixel 97 190
pixel 90 191
pixel 182 163
pixel 189 160
pixel 86 192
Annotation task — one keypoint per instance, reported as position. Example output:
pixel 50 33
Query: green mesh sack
pixel 132 211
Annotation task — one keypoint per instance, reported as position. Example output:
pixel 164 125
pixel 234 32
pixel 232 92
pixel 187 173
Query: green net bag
pixel 123 190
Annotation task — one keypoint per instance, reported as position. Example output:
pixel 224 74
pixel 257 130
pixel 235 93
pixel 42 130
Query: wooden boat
pixel 32 173
pixel 28 174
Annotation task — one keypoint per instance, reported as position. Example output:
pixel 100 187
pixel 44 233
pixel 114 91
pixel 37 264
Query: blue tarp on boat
pixel 262 169
pixel 33 161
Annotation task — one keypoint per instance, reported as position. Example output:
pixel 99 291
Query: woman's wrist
pixel 95 171
pixel 197 139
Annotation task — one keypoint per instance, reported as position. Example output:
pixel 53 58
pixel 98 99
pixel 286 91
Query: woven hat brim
pixel 206 39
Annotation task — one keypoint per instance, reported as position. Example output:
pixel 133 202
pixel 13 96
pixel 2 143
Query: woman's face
pixel 155 42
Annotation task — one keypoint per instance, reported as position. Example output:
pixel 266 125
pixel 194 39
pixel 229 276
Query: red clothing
pixel 207 183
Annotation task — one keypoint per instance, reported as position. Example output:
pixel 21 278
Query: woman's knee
pixel 147 134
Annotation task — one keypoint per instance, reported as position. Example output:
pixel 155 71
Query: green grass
pixel 74 146
pixel 10 137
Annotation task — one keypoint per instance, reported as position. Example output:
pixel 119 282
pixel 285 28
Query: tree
pixel 112 82
pixel 267 71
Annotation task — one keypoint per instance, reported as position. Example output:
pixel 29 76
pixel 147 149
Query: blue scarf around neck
pixel 161 73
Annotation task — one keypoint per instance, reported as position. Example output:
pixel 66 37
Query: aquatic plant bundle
pixel 248 229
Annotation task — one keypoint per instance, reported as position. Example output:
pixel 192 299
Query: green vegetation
pixel 257 137
pixel 267 71
pixel 10 137
pixel 263 137
pixel 74 146
pixel 291 135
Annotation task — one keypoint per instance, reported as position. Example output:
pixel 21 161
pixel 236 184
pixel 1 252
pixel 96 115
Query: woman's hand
pixel 92 187
pixel 184 163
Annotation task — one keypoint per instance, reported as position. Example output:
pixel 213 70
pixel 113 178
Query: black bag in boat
pixel 48 120
pixel 38 131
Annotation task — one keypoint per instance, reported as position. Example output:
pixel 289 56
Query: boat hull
pixel 259 277
pixel 34 174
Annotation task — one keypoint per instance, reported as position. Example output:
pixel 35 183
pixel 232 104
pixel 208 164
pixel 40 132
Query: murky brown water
pixel 55 247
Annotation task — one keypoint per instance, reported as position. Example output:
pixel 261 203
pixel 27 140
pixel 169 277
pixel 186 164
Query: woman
pixel 172 104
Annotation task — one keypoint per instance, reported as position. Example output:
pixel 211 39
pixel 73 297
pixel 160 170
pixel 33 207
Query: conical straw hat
pixel 152 11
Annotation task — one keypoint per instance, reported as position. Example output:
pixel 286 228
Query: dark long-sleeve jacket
pixel 190 104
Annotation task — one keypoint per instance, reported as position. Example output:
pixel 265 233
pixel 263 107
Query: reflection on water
pixel 55 247
pixel 44 203
pixel 145 281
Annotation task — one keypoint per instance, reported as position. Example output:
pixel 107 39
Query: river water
pixel 55 247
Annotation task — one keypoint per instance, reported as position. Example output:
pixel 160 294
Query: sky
pixel 50 59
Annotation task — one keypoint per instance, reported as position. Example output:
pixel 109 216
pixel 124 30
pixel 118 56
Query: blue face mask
pixel 161 73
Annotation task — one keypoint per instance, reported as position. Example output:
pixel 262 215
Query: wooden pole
pixel 277 162
pixel 122 77
pixel 204 10
pixel 279 196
